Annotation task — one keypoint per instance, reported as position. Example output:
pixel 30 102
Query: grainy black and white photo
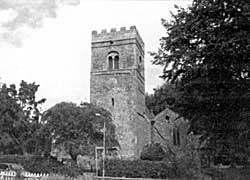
pixel 125 90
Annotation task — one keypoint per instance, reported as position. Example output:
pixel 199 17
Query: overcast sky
pixel 49 41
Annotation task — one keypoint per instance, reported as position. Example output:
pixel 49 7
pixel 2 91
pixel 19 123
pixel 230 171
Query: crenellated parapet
pixel 115 35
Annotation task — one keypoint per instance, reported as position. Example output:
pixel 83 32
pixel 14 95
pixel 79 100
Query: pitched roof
pixel 172 116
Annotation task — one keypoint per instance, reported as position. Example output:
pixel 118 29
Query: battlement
pixel 114 35
pixel 114 30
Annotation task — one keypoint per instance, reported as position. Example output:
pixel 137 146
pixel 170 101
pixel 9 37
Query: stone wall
pixel 121 91
pixel 165 122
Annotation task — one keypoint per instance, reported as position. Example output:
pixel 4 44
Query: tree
pixel 206 53
pixel 163 96
pixel 19 116
pixel 79 128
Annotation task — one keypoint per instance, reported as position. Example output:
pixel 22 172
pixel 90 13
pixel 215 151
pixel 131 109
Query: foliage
pixel 54 177
pixel 78 129
pixel 19 174
pixel 18 159
pixel 206 53
pixel 139 169
pixel 52 166
pixel 215 174
pixel 228 174
pixel 163 96
pixel 38 164
pixel 187 161
pixel 152 152
pixel 233 173
pixel 61 177
pixel 19 118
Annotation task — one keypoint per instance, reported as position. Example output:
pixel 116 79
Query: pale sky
pixel 57 53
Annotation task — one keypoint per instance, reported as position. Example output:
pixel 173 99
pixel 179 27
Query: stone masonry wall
pixel 121 91
pixel 165 127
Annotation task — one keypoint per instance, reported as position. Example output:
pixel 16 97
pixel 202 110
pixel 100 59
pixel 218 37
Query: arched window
pixel 113 60
pixel 116 62
pixel 110 61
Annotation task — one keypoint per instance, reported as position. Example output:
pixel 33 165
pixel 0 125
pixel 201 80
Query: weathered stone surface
pixel 121 91
pixel 166 122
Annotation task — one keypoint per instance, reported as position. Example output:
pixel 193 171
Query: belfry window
pixel 113 61
pixel 116 62
pixel 110 62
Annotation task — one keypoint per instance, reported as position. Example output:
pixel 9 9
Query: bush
pixel 153 152
pixel 138 169
pixel 37 164
pixel 60 177
pixel 50 165
pixel 54 177
pixel 18 159
pixel 187 161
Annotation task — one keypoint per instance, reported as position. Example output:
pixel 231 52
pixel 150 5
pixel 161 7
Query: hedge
pixel 153 152
pixel 37 164
pixel 138 169
pixel 18 159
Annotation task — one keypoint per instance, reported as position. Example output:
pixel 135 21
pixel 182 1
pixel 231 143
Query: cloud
pixel 23 14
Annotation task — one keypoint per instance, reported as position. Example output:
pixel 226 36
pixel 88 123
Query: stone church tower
pixel 117 84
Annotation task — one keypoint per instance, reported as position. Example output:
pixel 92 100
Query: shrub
pixel 50 165
pixel 138 169
pixel 153 152
pixel 37 164
pixel 54 177
pixel 61 177
pixel 18 159
pixel 187 161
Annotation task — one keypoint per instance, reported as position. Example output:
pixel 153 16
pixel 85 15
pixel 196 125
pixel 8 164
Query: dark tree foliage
pixel 78 129
pixel 206 53
pixel 19 118
pixel 163 97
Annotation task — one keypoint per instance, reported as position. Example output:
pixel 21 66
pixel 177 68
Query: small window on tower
pixel 113 101
pixel 139 64
pixel 116 62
